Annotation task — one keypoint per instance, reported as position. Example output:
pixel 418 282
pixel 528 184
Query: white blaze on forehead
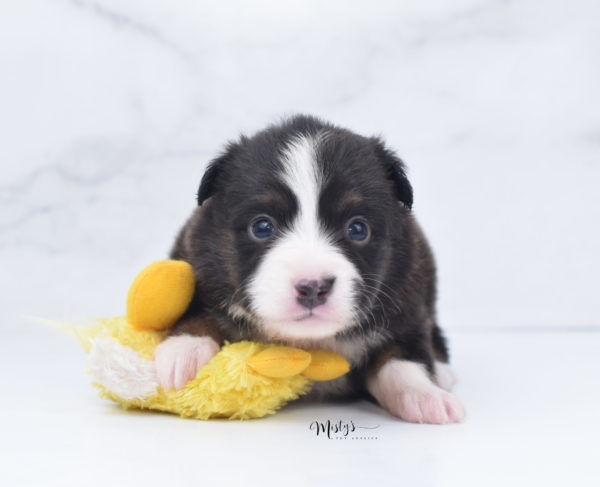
pixel 303 176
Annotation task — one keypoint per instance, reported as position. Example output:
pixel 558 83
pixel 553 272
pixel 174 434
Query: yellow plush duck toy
pixel 244 380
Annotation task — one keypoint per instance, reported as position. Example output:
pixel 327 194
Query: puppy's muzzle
pixel 311 294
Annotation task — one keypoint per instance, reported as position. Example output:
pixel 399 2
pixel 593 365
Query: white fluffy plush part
pixel 121 370
pixel 303 252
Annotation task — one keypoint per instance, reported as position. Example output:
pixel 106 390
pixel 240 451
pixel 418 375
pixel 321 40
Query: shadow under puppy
pixel 304 236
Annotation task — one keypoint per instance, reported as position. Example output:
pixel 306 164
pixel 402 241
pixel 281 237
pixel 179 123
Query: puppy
pixel 304 236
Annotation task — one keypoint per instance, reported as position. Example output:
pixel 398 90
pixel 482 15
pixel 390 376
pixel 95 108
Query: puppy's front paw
pixel 405 390
pixel 178 359
pixel 432 405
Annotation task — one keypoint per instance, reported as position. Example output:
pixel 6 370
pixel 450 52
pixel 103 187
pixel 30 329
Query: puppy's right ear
pixel 210 180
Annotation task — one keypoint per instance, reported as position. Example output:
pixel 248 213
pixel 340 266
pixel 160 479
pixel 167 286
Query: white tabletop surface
pixel 532 402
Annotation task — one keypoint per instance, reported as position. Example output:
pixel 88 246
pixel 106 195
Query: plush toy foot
pixel 326 365
pixel 159 295
pixel 179 358
pixel 280 362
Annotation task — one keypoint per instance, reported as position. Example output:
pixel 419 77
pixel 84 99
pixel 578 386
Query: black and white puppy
pixel 304 236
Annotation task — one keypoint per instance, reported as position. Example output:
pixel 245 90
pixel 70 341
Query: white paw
pixel 444 376
pixel 405 390
pixel 178 359
pixel 431 405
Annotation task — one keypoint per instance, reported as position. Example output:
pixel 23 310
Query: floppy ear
pixel 210 180
pixel 396 173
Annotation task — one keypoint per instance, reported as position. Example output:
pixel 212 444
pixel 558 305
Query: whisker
pixel 393 302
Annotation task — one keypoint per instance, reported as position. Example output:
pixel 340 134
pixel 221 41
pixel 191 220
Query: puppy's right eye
pixel 262 228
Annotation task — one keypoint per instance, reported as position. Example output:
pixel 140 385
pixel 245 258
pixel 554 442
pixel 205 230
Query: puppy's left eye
pixel 357 230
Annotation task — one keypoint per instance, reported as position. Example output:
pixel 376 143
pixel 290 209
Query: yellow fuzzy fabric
pixel 227 387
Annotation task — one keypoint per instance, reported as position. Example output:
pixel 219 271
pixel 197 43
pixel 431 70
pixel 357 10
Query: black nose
pixel 313 293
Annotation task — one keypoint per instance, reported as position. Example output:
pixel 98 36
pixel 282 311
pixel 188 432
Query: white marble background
pixel 110 109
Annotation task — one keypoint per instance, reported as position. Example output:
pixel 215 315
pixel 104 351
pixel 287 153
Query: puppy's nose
pixel 311 294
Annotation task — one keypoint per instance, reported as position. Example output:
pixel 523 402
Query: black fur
pixel 361 177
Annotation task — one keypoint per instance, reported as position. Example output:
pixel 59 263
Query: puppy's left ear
pixel 396 172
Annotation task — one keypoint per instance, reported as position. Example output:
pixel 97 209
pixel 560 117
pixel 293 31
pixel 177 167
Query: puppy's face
pixel 311 213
